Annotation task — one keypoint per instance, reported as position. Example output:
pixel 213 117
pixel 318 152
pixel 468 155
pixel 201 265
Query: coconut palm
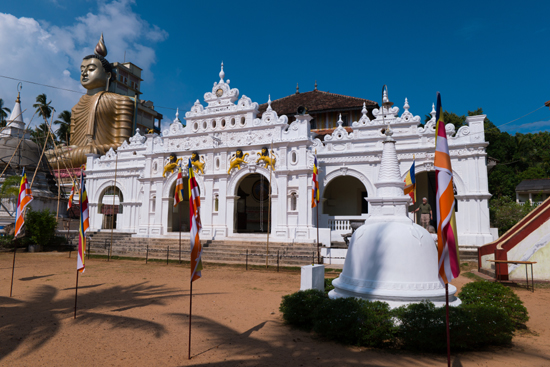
pixel 42 107
pixel 39 135
pixel 3 113
pixel 63 132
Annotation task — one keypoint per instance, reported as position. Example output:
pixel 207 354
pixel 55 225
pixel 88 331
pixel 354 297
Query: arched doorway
pixel 178 216
pixel 252 209
pixel 110 205
pixel 345 195
pixel 426 188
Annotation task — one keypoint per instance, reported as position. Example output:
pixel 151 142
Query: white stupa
pixel 390 258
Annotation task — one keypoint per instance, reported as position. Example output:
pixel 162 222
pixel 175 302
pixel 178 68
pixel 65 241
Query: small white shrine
pixel 390 258
pixel 229 143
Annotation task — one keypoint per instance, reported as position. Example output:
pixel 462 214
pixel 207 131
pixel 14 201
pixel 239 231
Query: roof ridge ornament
pixel 315 85
pixel 297 89
pixel 406 106
pixel 340 122
pixel 269 103
pixel 222 74
pixel 364 110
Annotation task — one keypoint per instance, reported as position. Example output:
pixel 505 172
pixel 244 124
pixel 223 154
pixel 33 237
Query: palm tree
pixel 64 131
pixel 3 113
pixel 39 134
pixel 42 107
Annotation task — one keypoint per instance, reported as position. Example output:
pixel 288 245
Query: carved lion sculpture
pixel 198 165
pixel 264 156
pixel 172 165
pixel 236 160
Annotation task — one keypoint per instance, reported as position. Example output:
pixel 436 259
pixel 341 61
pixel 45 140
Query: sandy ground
pixel 132 314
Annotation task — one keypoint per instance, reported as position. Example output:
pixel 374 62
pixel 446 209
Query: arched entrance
pixel 178 216
pixel 110 205
pixel 252 209
pixel 426 188
pixel 345 195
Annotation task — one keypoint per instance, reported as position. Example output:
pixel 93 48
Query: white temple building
pixel 234 202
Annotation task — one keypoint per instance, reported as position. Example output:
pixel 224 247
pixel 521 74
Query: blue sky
pixel 490 54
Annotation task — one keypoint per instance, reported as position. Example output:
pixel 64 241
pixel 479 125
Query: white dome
pixel 394 262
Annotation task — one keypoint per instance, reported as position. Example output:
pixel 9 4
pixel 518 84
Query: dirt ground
pixel 132 314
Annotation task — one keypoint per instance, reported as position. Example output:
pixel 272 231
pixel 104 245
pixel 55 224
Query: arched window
pixel 293 201
pixel 216 203
pixel 153 204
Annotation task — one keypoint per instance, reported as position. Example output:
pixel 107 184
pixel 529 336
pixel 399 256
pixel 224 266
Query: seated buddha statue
pixel 100 120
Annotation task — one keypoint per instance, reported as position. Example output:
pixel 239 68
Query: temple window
pixel 293 201
pixel 216 203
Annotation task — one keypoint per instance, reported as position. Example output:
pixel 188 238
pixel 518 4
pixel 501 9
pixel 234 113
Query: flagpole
pixel 75 293
pixel 448 331
pixel 269 207
pixel 113 214
pixel 179 215
pixel 13 266
pixel 190 313
pixel 318 244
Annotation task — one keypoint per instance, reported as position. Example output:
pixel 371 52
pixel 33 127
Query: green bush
pixel 495 295
pixel 40 227
pixel 423 327
pixel 355 321
pixel 328 284
pixel 339 319
pixel 298 308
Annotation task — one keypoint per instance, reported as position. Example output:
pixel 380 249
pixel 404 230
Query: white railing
pixel 339 225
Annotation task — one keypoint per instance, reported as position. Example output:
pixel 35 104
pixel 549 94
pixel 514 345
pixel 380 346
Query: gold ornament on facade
pixel 172 164
pixel 198 165
pixel 237 160
pixel 266 159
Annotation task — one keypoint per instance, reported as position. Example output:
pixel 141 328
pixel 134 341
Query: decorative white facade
pixel 229 201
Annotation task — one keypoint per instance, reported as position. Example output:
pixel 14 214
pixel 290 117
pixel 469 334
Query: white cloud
pixel 530 127
pixel 48 54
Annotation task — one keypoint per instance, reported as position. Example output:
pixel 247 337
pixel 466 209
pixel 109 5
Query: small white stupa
pixel 390 258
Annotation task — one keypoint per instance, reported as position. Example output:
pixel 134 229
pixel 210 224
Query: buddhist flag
pixel 447 242
pixel 195 225
pixel 315 185
pixel 24 198
pixel 84 224
pixel 178 193
pixel 410 183
pixel 70 203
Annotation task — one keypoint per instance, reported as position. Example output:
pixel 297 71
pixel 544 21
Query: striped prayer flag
pixel 84 224
pixel 410 183
pixel 315 188
pixel 70 203
pixel 447 242
pixel 195 225
pixel 23 199
pixel 178 193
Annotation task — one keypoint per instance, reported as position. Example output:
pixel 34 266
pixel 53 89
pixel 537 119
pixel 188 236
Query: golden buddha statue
pixel 100 120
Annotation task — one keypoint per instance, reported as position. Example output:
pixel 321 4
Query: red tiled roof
pixel 317 101
pixel 547 104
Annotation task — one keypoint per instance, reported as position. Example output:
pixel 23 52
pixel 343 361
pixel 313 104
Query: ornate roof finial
pixel 364 110
pixel 315 85
pixel 222 74
pixel 269 103
pixel 433 111
pixel 406 106
pixel 19 87
pixel 100 48
pixel 177 119
pixel 297 89
pixel 340 122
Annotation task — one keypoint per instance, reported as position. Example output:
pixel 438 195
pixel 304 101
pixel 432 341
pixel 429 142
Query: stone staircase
pixel 228 252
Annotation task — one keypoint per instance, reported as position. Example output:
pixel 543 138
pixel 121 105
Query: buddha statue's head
pixel 95 71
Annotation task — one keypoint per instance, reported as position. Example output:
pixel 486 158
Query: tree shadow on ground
pixel 289 348
pixel 37 320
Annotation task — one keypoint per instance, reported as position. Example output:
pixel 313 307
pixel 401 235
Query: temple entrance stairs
pixel 228 252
